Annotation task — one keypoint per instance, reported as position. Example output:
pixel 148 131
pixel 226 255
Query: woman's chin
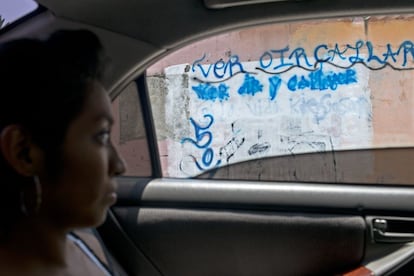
pixel 96 218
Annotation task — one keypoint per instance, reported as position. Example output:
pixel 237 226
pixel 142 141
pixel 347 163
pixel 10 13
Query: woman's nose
pixel 117 164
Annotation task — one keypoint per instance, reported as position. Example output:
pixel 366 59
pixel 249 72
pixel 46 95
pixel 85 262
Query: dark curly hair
pixel 43 89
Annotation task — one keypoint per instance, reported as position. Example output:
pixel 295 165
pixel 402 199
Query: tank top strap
pixel 89 253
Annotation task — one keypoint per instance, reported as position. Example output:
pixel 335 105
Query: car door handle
pixel 382 231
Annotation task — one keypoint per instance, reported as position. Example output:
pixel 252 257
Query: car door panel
pixel 217 242
pixel 205 227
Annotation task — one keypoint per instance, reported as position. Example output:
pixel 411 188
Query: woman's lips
pixel 111 194
pixel 112 197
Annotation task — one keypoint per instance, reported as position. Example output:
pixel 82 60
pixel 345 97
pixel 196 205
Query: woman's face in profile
pixel 86 188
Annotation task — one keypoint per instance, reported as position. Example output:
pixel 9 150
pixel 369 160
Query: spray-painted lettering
pixel 220 69
pixel 203 138
pixel 250 86
pixel 363 52
pixel 320 80
pixel 206 91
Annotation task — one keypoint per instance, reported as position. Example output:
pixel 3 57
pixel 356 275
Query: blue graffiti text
pixel 320 80
pixel 220 69
pixel 203 138
pixel 206 91
pixel 250 86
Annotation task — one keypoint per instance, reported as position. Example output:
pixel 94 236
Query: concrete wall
pixel 265 91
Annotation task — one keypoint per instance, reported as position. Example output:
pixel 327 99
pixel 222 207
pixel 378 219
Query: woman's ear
pixel 18 150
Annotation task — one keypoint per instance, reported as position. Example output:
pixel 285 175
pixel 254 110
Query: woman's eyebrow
pixel 106 117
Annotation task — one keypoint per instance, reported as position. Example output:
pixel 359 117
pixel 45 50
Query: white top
pixel 88 252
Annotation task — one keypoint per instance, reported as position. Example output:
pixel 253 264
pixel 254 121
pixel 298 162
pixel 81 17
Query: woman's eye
pixel 104 137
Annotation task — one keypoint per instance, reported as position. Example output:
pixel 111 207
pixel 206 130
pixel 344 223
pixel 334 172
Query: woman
pixel 57 162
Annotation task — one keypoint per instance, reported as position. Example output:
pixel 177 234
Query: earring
pixel 38 198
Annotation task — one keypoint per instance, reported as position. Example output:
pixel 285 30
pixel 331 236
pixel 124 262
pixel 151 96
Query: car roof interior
pixel 134 38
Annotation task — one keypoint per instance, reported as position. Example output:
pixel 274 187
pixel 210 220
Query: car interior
pixel 191 204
